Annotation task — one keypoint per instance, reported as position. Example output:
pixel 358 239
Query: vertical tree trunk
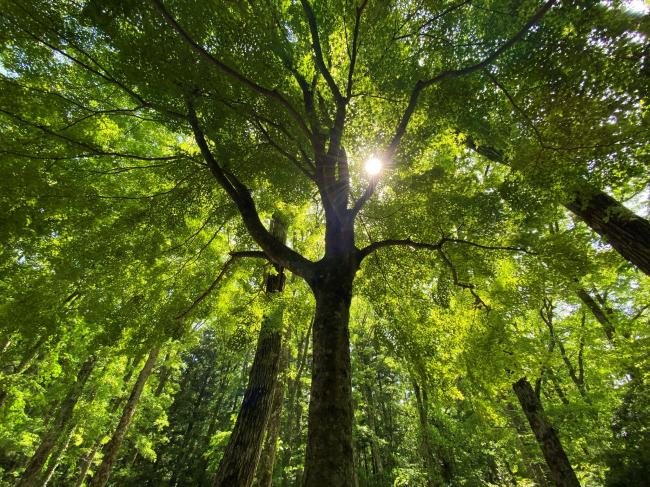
pixel 56 459
pixel 87 462
pixel 328 459
pixel 294 416
pixel 239 462
pixel 626 231
pixel 113 446
pixel 242 454
pixel 537 470
pixel 425 439
pixel 264 475
pixel 556 458
pixel 61 420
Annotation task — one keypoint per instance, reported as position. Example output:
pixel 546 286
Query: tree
pixel 176 98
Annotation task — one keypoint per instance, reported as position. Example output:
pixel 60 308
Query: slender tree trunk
pixel 113 446
pixel 56 459
pixel 294 418
pixel 626 231
pixel 425 439
pixel 328 459
pixel 165 373
pixel 88 461
pixel 61 420
pixel 29 356
pixel 556 458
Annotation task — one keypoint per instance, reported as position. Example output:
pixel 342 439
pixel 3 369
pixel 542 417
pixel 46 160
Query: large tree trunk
pixel 58 426
pixel 264 475
pixel 113 446
pixel 239 462
pixel 626 231
pixel 328 459
pixel 242 454
pixel 556 458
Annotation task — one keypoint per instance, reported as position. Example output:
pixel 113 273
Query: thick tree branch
pixel 407 242
pixel 239 193
pixel 422 84
pixel 367 194
pixel 355 47
pixel 230 72
pixel 433 246
pixel 318 53
pixel 234 256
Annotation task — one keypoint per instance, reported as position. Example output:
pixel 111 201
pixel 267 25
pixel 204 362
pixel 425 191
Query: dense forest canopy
pixel 324 243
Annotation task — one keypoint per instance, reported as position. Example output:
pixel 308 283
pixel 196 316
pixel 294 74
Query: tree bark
pixel 626 231
pixel 264 475
pixel 100 478
pixel 623 229
pixel 242 454
pixel 55 459
pixel 561 471
pixel 87 462
pixel 239 462
pixel 328 459
pixel 31 474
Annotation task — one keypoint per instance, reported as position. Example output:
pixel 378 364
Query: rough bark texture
pixel 113 446
pixel 240 459
pixel 626 231
pixel 536 468
pixel 31 474
pixel 242 454
pixel 264 475
pixel 561 471
pixel 328 459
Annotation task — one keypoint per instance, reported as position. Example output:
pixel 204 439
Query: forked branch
pixel 231 72
pixel 455 73
pixel 241 196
